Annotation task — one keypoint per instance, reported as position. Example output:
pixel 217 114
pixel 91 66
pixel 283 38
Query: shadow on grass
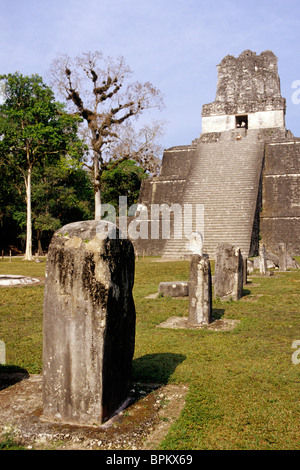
pixel 218 313
pixel 156 368
pixel 10 375
pixel 150 373
pixel 246 292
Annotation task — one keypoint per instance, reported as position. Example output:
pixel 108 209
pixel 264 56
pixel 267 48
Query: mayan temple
pixel 244 169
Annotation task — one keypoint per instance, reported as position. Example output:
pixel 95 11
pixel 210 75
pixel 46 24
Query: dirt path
pixel 141 426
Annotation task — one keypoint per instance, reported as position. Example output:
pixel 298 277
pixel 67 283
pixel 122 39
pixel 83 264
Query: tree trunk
pixel 28 251
pixel 97 187
pixel 40 248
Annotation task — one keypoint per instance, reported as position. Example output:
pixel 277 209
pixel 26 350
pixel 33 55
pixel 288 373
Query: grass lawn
pixel 243 386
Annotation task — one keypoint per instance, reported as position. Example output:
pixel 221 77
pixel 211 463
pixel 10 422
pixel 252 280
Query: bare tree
pixel 141 145
pixel 99 91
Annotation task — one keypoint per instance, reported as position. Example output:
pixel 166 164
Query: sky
pixel 174 44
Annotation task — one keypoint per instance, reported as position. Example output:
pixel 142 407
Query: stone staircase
pixel 224 178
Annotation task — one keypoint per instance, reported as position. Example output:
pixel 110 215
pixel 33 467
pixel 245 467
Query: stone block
pixel 292 263
pixel 174 289
pixel 250 266
pixel 200 291
pixel 272 258
pixel 228 283
pixel 89 323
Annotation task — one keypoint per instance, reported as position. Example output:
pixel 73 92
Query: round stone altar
pixel 14 280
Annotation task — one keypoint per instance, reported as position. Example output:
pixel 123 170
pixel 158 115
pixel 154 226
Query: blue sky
pixel 175 44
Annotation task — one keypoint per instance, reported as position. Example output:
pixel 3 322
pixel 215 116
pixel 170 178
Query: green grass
pixel 21 312
pixel 243 386
pixel 8 442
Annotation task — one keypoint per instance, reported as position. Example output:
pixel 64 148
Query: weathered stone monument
pixel 89 323
pixel 282 257
pixel 228 281
pixel 195 245
pixel 245 270
pixel 200 288
pixel 200 291
pixel 263 267
pixel 244 168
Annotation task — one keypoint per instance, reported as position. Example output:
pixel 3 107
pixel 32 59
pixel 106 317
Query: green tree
pixel 11 203
pixel 60 194
pixel 34 130
pixel 123 179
